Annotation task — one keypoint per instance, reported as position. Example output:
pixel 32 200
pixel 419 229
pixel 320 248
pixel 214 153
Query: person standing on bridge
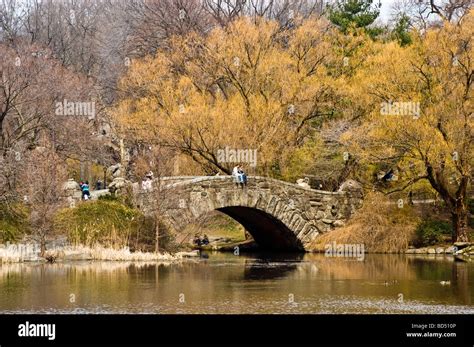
pixel 235 174
pixel 242 176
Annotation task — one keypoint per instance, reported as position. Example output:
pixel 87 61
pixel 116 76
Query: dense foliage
pixel 314 89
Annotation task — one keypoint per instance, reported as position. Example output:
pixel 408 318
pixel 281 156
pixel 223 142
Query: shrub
pixel 125 199
pixel 108 197
pixel 14 222
pixel 108 223
pixel 431 232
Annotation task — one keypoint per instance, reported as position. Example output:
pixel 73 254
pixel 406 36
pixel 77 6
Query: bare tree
pixel 11 20
pixel 68 28
pixel 284 11
pixel 32 84
pixel 425 13
pixel 29 85
pixel 151 23
pixel 42 180
pixel 153 164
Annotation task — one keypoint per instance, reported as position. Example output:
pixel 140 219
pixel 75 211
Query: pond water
pixel 252 283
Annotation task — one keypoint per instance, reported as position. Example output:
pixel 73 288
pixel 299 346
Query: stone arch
pixel 279 215
pixel 268 231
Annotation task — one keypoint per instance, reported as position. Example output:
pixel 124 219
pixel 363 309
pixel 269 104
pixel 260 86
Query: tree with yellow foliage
pixel 247 86
pixel 284 92
pixel 419 102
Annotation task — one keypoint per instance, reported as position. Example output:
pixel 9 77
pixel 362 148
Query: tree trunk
pixel 82 170
pixel 42 247
pixel 157 236
pixel 456 203
pixel 459 216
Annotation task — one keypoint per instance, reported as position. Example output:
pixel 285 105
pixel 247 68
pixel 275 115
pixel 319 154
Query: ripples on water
pixel 224 283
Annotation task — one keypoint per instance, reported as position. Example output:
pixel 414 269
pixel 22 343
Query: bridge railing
pixel 176 181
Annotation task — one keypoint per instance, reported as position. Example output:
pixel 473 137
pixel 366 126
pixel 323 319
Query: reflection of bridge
pixel 279 215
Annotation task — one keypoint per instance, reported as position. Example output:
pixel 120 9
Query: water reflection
pixel 267 266
pixel 255 283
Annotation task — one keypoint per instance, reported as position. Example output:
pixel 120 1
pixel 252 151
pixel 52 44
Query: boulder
pixel 466 251
pixel 71 186
pixel 461 245
pixel 450 250
pixel 303 182
pixel 118 184
pixel 115 170
pixel 350 185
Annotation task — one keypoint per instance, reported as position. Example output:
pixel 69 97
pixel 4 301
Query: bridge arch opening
pixel 267 231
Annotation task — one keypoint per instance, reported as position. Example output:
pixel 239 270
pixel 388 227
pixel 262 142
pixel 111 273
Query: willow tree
pixel 247 86
pixel 434 74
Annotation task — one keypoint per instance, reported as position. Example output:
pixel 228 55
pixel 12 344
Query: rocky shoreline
pixel 459 249
pixel 30 252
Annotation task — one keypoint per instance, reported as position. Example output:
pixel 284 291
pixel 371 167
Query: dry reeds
pixel 380 225
pixel 123 254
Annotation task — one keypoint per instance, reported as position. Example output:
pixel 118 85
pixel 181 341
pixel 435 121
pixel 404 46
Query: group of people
pixel 240 177
pixel 201 241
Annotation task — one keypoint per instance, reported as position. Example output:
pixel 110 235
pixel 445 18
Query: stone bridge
pixel 279 215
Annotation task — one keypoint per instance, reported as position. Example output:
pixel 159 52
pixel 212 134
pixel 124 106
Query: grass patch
pixel 106 223
pixel 108 197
